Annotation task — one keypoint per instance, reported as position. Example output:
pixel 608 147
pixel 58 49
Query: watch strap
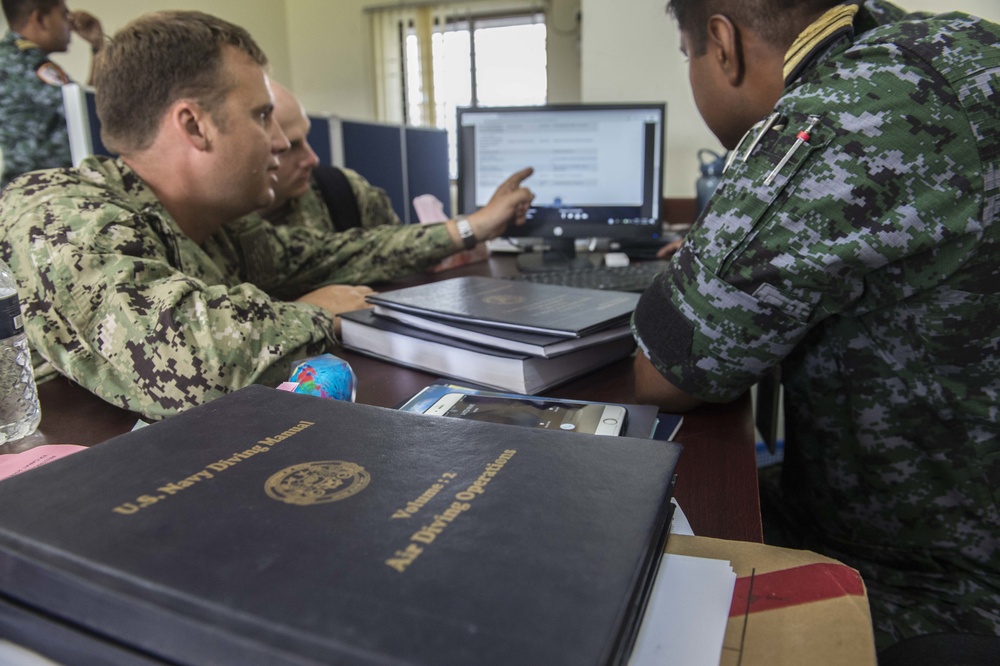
pixel 465 231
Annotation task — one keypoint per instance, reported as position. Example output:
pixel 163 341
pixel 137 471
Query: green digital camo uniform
pixel 119 300
pixel 32 121
pixel 373 205
pixel 382 230
pixel 868 268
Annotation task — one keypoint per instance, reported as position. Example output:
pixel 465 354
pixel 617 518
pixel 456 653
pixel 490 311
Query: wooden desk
pixel 717 473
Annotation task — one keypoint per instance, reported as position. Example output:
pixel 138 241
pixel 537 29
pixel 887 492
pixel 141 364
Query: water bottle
pixel 711 172
pixel 19 409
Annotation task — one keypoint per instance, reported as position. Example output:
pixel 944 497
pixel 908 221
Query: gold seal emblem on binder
pixel 318 482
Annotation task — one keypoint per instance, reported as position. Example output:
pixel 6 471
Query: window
pixel 496 61
pixel 486 53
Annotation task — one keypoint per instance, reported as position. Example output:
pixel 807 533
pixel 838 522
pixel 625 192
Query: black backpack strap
pixel 338 197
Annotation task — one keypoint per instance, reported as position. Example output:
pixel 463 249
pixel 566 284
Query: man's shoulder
pixel 911 67
pixel 954 44
pixel 373 202
pixel 19 56
pixel 83 179
pixel 94 185
pixel 357 181
pixel 13 45
pixel 311 202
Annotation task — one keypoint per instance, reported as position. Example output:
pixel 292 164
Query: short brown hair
pixel 779 22
pixel 156 60
pixel 17 12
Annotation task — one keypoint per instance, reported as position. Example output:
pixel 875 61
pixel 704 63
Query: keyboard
pixel 634 277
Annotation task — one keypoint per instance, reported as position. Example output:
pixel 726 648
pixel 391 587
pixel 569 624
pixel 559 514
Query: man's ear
pixel 192 124
pixel 725 48
pixel 37 20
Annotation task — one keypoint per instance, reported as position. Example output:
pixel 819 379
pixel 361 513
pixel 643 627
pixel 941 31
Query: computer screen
pixel 598 167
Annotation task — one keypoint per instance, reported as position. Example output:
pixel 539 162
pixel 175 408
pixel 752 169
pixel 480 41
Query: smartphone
pixel 594 419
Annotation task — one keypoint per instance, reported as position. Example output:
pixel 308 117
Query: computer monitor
pixel 598 170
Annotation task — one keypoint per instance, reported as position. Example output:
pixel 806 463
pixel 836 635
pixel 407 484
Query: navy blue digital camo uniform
pixel 33 131
pixel 868 267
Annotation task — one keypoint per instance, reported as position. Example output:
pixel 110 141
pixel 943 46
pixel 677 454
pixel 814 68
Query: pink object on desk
pixel 15 463
pixel 429 209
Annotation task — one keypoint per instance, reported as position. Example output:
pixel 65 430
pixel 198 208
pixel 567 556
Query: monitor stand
pixel 561 256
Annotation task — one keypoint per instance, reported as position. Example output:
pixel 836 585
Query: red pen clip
pixel 802 137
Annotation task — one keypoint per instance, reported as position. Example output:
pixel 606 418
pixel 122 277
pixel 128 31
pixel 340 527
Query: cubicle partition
pixel 404 161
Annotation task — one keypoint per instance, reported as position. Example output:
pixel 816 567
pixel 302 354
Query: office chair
pixel 338 196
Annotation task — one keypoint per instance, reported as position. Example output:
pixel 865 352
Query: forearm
pixel 652 388
pixel 361 256
pixel 168 347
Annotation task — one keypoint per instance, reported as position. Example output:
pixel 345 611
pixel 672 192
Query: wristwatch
pixel 465 231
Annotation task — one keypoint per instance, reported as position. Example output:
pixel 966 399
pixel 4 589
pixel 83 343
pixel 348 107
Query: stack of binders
pixel 503 334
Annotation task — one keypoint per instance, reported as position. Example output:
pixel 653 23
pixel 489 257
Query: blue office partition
pixel 376 152
pixel 404 161
pixel 319 138
pixel 427 166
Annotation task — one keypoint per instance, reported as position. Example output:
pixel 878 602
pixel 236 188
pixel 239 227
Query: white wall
pixel 330 47
pixel 332 69
pixel 631 52
pixel 264 19
pixel 321 49
pixel 562 50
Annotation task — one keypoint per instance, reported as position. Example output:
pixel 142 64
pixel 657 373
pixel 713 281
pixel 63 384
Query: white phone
pixel 595 419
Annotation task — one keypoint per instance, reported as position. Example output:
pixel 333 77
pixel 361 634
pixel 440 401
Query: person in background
pixel 852 241
pixel 300 199
pixel 138 279
pixel 33 129
pixel 374 245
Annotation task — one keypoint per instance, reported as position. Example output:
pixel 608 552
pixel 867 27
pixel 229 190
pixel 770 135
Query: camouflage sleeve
pixel 867 213
pixel 373 203
pixel 107 306
pixel 312 258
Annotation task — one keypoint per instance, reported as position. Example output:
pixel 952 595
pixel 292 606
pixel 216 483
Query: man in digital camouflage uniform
pixel 853 240
pixel 298 200
pixel 135 281
pixel 33 128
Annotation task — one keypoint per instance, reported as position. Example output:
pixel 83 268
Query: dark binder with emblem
pixel 274 528
pixel 526 306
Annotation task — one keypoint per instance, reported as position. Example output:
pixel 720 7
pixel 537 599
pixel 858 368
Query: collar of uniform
pixel 22 43
pixel 117 173
pixel 835 22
